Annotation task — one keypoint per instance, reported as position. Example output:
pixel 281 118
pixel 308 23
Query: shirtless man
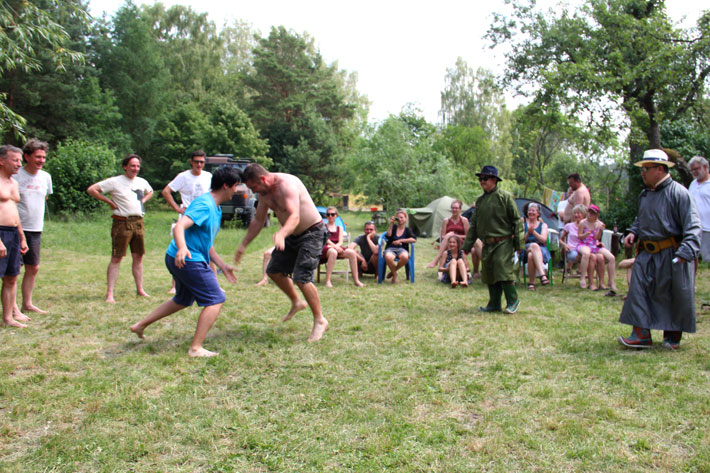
pixel 12 239
pixel 298 243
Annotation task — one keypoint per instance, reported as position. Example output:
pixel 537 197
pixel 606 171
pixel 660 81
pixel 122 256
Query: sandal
pixel 544 281
pixel 531 287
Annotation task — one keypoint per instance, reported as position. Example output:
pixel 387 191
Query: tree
pixel 303 107
pixel 27 33
pixel 474 99
pixel 131 65
pixel 607 56
pixel 397 164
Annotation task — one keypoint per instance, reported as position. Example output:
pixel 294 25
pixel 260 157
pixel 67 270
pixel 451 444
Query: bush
pixel 74 166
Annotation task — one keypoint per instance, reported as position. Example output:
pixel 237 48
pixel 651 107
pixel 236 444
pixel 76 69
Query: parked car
pixel 243 204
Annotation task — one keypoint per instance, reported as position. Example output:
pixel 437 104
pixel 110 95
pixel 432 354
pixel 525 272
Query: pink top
pixel 572 235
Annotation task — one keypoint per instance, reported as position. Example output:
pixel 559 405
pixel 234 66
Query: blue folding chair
pixel 382 266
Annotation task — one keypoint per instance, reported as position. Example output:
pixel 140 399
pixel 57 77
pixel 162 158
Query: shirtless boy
pixel 12 239
pixel 298 243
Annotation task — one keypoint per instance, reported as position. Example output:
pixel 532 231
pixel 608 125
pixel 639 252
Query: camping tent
pixel 426 221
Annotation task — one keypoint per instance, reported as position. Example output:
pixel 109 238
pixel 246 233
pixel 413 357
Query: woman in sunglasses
pixel 334 250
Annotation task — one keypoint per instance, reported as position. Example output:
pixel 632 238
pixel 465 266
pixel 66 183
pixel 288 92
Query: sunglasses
pixel 329 214
pixel 646 168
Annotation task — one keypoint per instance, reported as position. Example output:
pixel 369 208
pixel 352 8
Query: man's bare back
pixel 285 188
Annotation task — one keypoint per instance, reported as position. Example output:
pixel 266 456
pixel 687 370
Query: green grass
pixel 407 378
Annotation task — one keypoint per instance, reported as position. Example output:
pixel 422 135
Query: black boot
pixel 495 291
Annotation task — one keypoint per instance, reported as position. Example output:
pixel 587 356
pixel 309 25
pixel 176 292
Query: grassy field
pixel 408 377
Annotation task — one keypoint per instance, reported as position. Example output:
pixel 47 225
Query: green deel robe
pixel 496 216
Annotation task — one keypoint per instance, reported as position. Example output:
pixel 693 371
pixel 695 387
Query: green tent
pixel 426 221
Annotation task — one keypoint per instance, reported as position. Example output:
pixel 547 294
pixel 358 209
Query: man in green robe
pixel 498 224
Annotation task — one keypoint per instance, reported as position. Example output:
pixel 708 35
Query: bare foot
pixel 431 265
pixel 20 317
pixel 263 282
pixel 171 290
pixel 33 308
pixel 200 353
pixel 328 284
pixel 295 307
pixel 394 278
pixel 13 323
pixel 454 284
pixel 142 293
pixel 359 284
pixel 464 284
pixel 319 329
pixel 110 300
pixel 583 283
pixel 476 275
pixel 389 275
pixel 593 288
pixel 135 328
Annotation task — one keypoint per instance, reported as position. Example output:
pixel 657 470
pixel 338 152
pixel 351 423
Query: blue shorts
pixel 195 282
pixel 396 250
pixel 543 249
pixel 10 264
pixel 572 256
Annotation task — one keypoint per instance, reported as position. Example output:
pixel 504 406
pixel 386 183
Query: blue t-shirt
pixel 199 237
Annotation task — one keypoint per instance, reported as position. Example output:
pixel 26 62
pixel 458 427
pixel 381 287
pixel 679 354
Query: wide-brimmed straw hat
pixel 655 156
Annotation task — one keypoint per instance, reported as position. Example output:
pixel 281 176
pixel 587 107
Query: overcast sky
pixel 399 49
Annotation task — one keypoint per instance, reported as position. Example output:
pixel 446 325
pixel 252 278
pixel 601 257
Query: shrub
pixel 74 166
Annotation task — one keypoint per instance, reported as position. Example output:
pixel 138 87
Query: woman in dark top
pixel 536 253
pixel 398 236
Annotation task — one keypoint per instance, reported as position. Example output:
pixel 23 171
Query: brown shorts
pixel 127 232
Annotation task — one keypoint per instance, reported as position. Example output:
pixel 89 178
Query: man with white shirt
pixel 190 184
pixel 35 185
pixel 128 195
pixel 700 190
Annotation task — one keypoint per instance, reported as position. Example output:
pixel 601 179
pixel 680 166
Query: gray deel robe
pixel 662 294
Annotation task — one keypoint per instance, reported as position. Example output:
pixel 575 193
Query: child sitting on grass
pixel 454 269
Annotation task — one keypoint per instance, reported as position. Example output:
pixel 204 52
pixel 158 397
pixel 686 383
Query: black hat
pixel 490 171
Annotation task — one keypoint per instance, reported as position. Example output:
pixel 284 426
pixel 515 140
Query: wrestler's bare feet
pixel 138 330
pixel 319 328
pixel 263 282
pixel 20 317
pixel 142 293
pixel 110 300
pixel 33 308
pixel 295 307
pixel 13 323
pixel 200 353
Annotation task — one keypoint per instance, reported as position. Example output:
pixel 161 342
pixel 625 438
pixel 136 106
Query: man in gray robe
pixel 662 290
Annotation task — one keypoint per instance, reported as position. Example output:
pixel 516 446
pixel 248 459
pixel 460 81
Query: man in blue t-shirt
pixel 188 258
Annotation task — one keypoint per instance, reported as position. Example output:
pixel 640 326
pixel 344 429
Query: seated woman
pixel 536 253
pixel 398 237
pixel 454 225
pixel 454 269
pixel 577 252
pixel 333 250
pixel 593 228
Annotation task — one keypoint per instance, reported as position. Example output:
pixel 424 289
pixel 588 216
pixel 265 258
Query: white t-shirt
pixel 34 189
pixel 127 194
pixel 701 194
pixel 190 186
